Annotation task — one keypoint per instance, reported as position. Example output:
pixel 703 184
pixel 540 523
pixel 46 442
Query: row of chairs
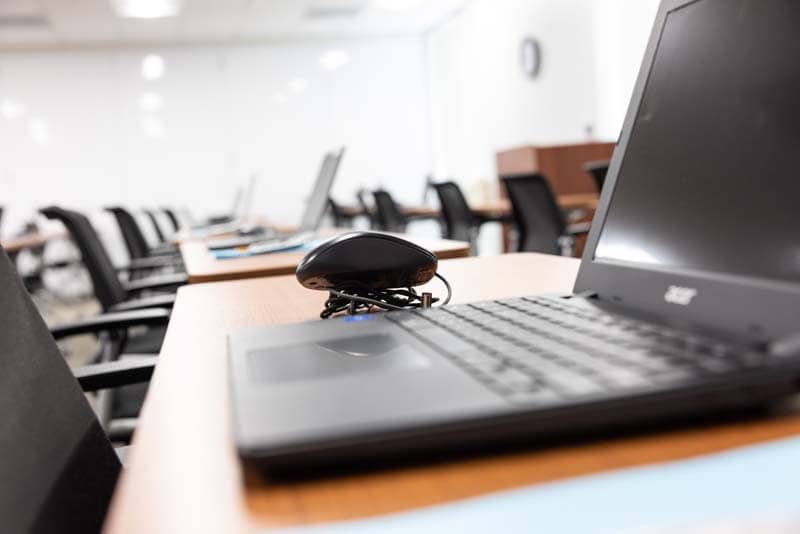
pixel 140 294
pixel 541 225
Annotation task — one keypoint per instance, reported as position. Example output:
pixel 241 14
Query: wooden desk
pixel 201 266
pixel 183 474
pixel 13 245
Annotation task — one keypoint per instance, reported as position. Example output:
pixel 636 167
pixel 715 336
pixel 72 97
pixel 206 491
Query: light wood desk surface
pixel 38 239
pixel 202 267
pixel 183 474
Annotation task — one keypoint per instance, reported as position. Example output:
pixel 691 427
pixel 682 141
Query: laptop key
pixel 514 379
pixel 572 384
pixel 539 397
pixel 444 340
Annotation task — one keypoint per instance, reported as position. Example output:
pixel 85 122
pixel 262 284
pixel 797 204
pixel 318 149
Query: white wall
pixel 221 121
pixel 482 102
pixel 622 29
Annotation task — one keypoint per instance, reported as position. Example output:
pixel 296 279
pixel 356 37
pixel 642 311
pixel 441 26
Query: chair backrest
pixel 107 287
pixel 173 219
pixel 135 241
pixel 1 216
pixel 459 221
pixel 361 195
pixel 598 170
pixel 57 467
pixel 154 220
pixel 340 220
pixel 388 216
pixel 539 219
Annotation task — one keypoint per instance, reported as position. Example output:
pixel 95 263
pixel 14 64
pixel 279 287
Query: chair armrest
pixel 160 301
pixel 166 281
pixel 579 228
pixel 122 372
pixel 112 321
pixel 164 249
pixel 150 263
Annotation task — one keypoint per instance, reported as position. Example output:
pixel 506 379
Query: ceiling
pixel 49 24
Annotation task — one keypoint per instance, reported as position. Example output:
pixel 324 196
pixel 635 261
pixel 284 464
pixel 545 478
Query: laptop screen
pixel 318 201
pixel 710 180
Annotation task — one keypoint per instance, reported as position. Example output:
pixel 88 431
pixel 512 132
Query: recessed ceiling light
pixel 12 109
pixel 334 59
pixel 153 67
pixel 298 85
pixel 280 98
pixel 146 9
pixel 151 102
pixel 397 5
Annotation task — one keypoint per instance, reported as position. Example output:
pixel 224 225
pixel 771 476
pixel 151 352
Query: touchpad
pixel 337 357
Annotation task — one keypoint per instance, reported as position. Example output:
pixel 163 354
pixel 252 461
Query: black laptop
pixel 687 301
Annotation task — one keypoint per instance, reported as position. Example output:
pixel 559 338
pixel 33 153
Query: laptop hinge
pixel 585 295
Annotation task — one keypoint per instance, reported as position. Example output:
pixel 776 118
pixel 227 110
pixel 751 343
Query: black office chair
pixel 134 239
pixel 58 467
pixel 111 292
pixel 388 216
pixel 173 218
pixel 340 218
pixel 153 217
pixel 598 170
pixel 460 222
pixel 361 196
pixel 539 220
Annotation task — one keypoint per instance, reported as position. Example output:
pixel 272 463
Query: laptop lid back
pixel 318 201
pixel 248 197
pixel 699 220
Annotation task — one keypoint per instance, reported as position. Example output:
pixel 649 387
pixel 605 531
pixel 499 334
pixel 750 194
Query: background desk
pixel 13 245
pixel 201 266
pixel 183 474
pixel 497 208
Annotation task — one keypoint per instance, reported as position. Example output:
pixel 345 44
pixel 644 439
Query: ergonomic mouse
pixel 379 261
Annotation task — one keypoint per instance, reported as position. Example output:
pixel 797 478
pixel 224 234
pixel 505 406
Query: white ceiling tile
pixel 94 21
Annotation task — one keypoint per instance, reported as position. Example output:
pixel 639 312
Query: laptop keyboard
pixel 548 350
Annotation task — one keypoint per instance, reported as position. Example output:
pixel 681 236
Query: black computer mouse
pixel 379 261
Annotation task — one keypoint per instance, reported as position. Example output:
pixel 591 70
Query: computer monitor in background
pixel 246 206
pixel 237 203
pixel 318 201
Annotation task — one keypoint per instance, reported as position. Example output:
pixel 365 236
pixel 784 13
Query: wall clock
pixel 531 57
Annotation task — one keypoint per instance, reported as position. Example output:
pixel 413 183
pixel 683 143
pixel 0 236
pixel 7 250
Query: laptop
pixel 687 301
pixel 240 214
pixel 263 240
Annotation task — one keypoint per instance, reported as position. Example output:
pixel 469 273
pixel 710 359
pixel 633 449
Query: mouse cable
pixel 361 298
